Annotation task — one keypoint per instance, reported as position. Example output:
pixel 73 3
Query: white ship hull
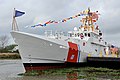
pixel 36 49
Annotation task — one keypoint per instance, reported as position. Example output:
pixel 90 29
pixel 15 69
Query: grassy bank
pixel 87 73
pixel 9 56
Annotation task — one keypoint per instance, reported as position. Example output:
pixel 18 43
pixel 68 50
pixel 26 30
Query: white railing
pixel 48 33
pixel 56 34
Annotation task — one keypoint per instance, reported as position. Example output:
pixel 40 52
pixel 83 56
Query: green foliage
pixel 8 49
pixel 4 50
pixel 87 73
pixel 32 73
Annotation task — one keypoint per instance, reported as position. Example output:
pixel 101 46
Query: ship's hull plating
pixel 39 52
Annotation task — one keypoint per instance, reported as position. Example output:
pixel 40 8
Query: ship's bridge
pixel 84 34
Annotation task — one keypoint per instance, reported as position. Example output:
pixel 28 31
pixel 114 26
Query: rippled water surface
pixel 9 70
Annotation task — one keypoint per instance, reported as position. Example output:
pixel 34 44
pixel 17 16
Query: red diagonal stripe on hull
pixel 72 53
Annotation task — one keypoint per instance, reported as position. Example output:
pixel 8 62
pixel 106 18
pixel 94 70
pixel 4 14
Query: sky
pixel 40 11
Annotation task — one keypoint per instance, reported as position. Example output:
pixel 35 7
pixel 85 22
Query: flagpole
pixel 16 26
pixel 14 22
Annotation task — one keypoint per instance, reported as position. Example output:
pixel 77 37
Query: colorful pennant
pixel 84 13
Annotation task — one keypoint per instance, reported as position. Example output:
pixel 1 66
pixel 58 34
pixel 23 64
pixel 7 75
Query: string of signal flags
pixel 83 13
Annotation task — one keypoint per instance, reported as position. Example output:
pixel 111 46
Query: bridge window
pixel 88 34
pixel 78 34
pixel 85 34
pixel 100 34
pixel 75 35
pixel 70 35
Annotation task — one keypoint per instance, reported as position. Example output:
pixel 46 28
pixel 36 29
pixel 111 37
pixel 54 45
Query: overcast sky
pixel 40 11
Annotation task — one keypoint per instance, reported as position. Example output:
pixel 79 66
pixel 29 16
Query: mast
pixel 14 23
pixel 89 20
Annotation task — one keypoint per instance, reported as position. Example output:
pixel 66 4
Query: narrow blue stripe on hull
pixel 78 53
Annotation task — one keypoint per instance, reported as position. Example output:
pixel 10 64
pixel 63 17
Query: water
pixel 9 70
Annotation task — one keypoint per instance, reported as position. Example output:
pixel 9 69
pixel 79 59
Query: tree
pixel 10 47
pixel 4 40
